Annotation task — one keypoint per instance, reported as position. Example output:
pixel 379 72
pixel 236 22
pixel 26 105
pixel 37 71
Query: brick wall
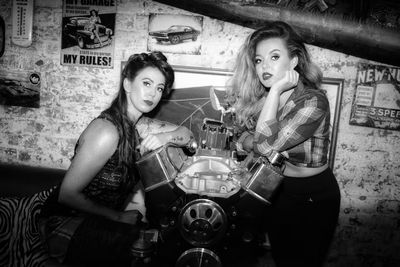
pixel 367 159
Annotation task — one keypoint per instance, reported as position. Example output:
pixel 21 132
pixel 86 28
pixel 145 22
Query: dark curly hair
pixel 117 111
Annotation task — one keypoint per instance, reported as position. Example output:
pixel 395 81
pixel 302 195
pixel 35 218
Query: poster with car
pixel 172 33
pixel 20 88
pixel 88 33
pixel 376 101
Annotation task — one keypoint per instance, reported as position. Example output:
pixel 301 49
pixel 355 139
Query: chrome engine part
pixel 214 170
pixel 209 175
pixel 202 222
pixel 207 200
pixel 199 257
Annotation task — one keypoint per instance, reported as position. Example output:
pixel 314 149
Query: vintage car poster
pixel 88 33
pixel 20 88
pixel 180 34
pixel 376 101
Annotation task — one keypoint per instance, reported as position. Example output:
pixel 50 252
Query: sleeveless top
pixel 106 188
pixel 58 223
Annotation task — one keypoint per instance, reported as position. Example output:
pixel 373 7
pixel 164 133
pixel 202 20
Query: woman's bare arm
pixel 96 145
pixel 156 133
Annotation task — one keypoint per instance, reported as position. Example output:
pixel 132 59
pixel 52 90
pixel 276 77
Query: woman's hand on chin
pixel 288 81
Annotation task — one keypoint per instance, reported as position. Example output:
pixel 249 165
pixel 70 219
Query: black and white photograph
pixel 199 133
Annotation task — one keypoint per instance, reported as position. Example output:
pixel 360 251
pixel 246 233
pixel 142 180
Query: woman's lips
pixel 148 102
pixel 266 76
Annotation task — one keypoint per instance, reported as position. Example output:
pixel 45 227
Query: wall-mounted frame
pixel 2 36
pixel 334 91
pixel 20 88
pixel 187 76
pixel 190 102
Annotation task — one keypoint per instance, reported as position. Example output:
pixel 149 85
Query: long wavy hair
pixel 117 111
pixel 246 89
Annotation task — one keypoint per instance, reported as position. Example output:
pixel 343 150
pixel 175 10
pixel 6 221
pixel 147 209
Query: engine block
pixel 208 204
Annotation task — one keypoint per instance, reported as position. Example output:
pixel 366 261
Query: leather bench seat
pixel 22 180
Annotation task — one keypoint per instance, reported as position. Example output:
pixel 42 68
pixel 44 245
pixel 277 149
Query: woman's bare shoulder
pixel 100 133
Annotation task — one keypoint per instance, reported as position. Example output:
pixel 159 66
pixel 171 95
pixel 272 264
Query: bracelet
pixel 276 158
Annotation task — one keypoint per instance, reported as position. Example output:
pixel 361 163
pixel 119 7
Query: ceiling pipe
pixel 372 42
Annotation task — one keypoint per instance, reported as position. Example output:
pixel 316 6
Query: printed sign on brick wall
pixel 376 101
pixel 88 33
pixel 172 33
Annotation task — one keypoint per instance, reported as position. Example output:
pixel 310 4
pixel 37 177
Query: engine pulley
pixel 202 222
pixel 198 257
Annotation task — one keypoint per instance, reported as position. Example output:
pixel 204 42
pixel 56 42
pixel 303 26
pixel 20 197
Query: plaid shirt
pixel 302 129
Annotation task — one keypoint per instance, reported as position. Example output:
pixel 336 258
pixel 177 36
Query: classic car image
pixel 175 34
pixel 77 30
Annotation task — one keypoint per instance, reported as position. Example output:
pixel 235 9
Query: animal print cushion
pixel 20 243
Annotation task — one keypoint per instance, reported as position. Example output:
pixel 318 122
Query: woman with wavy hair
pixel 282 111
pixel 84 220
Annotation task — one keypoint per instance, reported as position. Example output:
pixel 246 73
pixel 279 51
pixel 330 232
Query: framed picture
pixel 186 77
pixel 190 102
pixel 334 91
pixel 2 36
pixel 20 88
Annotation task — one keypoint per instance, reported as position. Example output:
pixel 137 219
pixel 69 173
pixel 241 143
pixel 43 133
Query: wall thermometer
pixel 22 20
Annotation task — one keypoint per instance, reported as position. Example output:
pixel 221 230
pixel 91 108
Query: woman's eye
pixel 160 89
pixel 257 61
pixel 274 58
pixel 146 83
